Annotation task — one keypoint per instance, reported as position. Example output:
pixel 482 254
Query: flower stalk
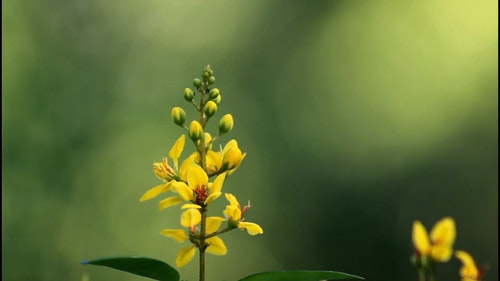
pixel 191 182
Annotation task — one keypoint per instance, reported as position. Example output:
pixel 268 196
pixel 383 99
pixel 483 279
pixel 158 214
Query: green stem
pixel 202 265
pixel 432 272
pixel 219 232
pixel 202 245
pixel 421 275
pixel 202 149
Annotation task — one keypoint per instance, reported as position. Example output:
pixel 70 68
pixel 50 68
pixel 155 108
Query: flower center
pixel 200 194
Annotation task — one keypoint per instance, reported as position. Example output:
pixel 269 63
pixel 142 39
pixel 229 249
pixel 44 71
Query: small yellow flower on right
pixel 234 214
pixel 468 271
pixel 440 246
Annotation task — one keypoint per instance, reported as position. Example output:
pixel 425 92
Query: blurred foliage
pixel 358 117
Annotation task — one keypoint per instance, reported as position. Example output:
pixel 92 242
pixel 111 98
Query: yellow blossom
pixel 191 219
pixel 215 247
pixel 468 271
pixel 228 159
pixel 234 213
pixel 440 246
pixel 198 190
pixel 164 171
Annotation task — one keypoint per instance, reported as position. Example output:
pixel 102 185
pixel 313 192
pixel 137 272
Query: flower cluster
pixel 439 248
pixel 190 183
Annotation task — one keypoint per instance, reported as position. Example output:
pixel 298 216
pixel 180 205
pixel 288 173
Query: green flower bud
pixel 211 80
pixel 195 130
pixel 197 82
pixel 178 116
pixel 207 139
pixel 210 108
pixel 209 70
pixel 188 94
pixel 217 99
pixel 226 124
pixel 213 93
pixel 205 74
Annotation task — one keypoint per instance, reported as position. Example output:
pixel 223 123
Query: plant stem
pixel 202 264
pixel 203 245
pixel 421 275
pixel 432 272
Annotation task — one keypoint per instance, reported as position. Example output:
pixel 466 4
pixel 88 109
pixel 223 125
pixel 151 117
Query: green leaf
pixel 146 267
pixel 299 275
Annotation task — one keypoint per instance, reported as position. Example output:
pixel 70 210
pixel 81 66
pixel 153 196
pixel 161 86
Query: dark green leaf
pixel 299 275
pixel 147 267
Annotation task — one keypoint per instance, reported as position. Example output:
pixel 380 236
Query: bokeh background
pixel 358 118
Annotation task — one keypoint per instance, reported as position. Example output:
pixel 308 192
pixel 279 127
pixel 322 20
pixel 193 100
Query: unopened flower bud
pixel 217 99
pixel 211 80
pixel 195 130
pixel 209 70
pixel 226 124
pixel 197 82
pixel 232 158
pixel 205 74
pixel 214 93
pixel 188 94
pixel 210 108
pixel 208 140
pixel 178 116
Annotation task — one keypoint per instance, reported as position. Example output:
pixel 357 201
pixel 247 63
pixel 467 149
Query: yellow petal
pixel 212 197
pixel 237 165
pixel 176 150
pixel 214 161
pixel 183 190
pixel 196 177
pixel 190 160
pixel 443 233
pixel 155 191
pixel 169 202
pixel 420 238
pixel 184 256
pixel 217 184
pixel 213 224
pixel 178 235
pixel 232 158
pixel 441 253
pixel 216 246
pixel 190 218
pixel 232 200
pixel 232 213
pixel 229 145
pixel 190 206
pixel 251 228
pixel 468 269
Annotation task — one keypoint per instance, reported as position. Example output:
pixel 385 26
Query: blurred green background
pixel 358 118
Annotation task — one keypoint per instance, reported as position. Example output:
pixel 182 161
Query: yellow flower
pixel 164 171
pixel 228 159
pixel 198 190
pixel 234 214
pixel 440 246
pixel 190 219
pixel 468 271
pixel 186 254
